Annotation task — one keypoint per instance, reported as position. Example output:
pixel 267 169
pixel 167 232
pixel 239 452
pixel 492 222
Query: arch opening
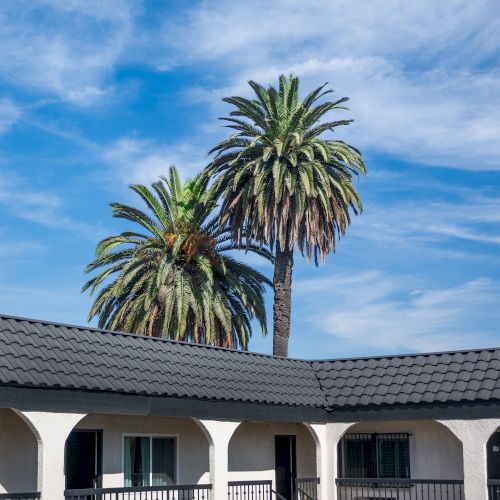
pixel 19 447
pixel 493 456
pixel 272 451
pixel 165 450
pixel 410 449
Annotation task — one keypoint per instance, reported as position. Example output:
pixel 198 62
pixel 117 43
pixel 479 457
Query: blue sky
pixel 95 95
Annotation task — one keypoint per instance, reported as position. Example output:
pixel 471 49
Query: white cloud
pixel 141 161
pixel 421 89
pixel 9 114
pixel 45 208
pixel 430 225
pixel 65 48
pixel 388 313
pixel 59 302
pixel 292 28
pixel 11 248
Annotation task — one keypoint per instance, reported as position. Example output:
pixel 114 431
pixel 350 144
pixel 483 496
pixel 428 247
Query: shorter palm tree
pixel 175 278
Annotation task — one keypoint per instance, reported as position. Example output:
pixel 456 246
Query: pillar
pixel 474 435
pixel 328 436
pixel 52 430
pixel 219 433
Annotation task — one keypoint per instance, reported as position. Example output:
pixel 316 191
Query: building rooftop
pixel 42 354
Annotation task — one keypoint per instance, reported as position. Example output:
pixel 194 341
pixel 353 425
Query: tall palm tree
pixel 174 278
pixel 284 184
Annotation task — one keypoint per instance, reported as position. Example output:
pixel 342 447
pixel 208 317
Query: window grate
pixel 374 455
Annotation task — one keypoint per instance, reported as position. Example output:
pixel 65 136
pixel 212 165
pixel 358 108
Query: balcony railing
pixel 250 490
pixel 494 489
pixel 177 492
pixel 400 489
pixel 306 488
pixel 20 496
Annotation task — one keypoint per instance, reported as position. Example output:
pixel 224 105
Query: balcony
pixel 400 489
pixel 20 496
pixel 177 492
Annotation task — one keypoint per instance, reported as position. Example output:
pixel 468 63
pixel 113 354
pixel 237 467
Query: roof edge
pixel 251 353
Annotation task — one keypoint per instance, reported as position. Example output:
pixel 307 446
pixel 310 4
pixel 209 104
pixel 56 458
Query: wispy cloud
pixel 41 207
pixel 430 224
pixel 389 313
pixel 61 302
pixel 9 114
pixel 419 90
pixel 65 48
pixel 141 161
pixel 12 248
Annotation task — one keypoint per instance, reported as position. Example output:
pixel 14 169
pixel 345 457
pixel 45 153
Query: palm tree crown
pixel 174 278
pixel 282 183
pixel 281 180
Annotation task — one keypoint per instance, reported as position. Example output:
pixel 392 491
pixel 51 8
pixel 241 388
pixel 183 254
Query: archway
pixel 179 439
pixel 426 449
pixel 258 451
pixel 18 454
pixel 493 457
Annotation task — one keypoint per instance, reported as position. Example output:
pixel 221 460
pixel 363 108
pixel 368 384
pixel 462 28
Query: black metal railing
pixel 400 489
pixel 306 488
pixel 20 496
pixel 494 489
pixel 177 492
pixel 250 490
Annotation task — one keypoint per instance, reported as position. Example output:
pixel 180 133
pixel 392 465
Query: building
pixel 86 413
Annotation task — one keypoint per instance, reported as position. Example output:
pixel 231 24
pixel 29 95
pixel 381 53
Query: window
pixel 149 460
pixel 374 456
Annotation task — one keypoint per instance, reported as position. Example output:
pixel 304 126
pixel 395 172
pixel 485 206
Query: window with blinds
pixel 373 455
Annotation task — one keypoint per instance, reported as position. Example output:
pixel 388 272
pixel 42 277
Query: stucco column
pixel 219 433
pixel 474 435
pixel 328 436
pixel 52 430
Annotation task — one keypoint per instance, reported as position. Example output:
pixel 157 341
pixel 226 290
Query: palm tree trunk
pixel 282 300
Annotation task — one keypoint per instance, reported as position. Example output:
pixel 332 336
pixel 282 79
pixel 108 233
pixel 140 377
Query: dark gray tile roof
pixel 448 377
pixel 49 355
pixel 42 354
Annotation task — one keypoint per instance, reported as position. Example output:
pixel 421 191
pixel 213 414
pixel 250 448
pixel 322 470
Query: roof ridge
pixel 146 338
pixel 406 355
pixel 248 353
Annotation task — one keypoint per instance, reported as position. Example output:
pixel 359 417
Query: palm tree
pixel 283 184
pixel 174 278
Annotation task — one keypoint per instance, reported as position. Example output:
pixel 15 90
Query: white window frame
pixel 151 435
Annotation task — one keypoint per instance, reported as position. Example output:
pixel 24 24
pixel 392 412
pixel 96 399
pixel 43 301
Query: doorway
pixel 84 459
pixel 285 465
pixel 493 456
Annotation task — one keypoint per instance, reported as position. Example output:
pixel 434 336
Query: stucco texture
pixel 435 453
pixel 252 453
pixel 193 447
pixel 18 454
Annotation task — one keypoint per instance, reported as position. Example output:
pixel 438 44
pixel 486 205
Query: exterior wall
pixel 251 450
pixel 435 453
pixel 474 434
pixel 18 454
pixel 193 448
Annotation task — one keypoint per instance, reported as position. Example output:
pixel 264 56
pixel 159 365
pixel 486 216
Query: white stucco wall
pixel 193 448
pixel 474 435
pixel 435 453
pixel 252 453
pixel 18 454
